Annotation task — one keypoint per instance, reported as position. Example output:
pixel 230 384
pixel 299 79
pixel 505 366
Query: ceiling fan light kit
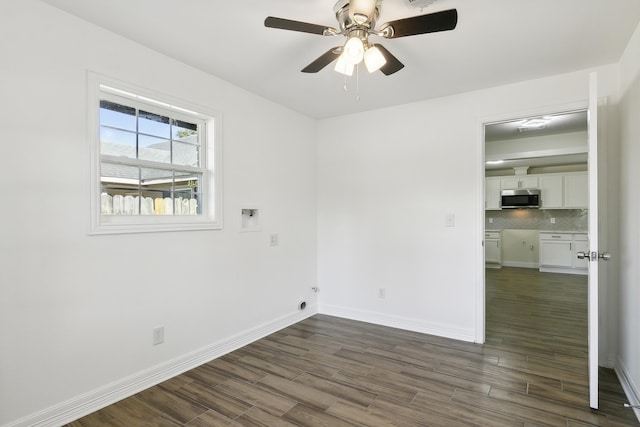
pixel 357 21
pixel 374 59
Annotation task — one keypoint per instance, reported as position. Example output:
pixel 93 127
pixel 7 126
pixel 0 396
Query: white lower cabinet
pixel 559 252
pixel 492 249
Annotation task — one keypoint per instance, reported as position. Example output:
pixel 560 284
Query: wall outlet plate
pixel 158 335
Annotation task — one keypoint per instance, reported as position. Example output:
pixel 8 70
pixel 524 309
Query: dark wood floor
pixel 327 371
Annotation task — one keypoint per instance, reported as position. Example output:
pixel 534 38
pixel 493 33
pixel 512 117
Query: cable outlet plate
pixel 158 335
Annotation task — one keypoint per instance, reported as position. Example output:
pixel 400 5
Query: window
pixel 155 162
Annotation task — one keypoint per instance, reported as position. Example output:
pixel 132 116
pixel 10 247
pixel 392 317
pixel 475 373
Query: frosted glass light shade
pixel 361 11
pixel 374 59
pixel 343 66
pixel 353 50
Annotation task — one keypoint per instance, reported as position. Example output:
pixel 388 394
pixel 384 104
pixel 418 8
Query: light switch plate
pixel 450 220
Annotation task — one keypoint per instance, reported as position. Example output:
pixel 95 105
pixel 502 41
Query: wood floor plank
pixel 273 403
pixel 270 366
pixel 302 415
pixel 367 416
pixel 256 417
pixel 172 404
pixel 213 419
pixel 330 371
pixel 133 412
pixel 297 392
pixel 342 391
pixel 378 385
pixel 214 399
pixel 449 412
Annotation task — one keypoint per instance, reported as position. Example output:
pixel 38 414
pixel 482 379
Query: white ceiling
pixel 574 121
pixel 496 42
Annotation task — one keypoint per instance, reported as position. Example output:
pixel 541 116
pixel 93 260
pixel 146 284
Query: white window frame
pixel 211 161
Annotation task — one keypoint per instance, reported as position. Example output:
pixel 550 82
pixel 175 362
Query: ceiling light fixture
pixel 354 52
pixel 537 123
pixel 374 59
pixel 343 66
pixel 361 11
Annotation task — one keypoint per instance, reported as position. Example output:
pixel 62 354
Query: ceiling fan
pixel 357 21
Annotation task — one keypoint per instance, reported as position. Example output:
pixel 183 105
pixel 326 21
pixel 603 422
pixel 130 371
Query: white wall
pixel 387 181
pixel 77 311
pixel 629 248
pixel 547 145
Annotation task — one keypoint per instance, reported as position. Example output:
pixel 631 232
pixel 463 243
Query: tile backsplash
pixel 537 219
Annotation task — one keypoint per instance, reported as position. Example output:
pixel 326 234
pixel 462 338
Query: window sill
pixel 124 225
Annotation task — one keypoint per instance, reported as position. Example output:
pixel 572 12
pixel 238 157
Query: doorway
pixel 546 152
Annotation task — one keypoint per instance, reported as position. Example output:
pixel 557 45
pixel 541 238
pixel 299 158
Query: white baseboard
pixel 94 400
pixel 520 264
pixel 399 322
pixel 630 389
pixel 611 361
pixel 578 271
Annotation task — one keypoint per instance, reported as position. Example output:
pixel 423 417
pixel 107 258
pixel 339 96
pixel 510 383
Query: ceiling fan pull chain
pixel 344 87
pixel 357 82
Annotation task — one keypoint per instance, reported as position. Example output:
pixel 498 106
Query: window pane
pixel 120 189
pixel 187 193
pixel 154 124
pixel 117 115
pixel 157 186
pixel 155 149
pixel 182 129
pixel 117 142
pixel 186 154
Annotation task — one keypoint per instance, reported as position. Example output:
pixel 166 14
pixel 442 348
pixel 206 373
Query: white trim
pixel 94 400
pixel 519 264
pixel 563 270
pixel 399 322
pixel 211 218
pixel 481 263
pixel 631 389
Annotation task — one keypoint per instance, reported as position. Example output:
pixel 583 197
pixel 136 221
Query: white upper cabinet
pixel 576 191
pixel 492 193
pixel 568 190
pixel 551 191
pixel 525 181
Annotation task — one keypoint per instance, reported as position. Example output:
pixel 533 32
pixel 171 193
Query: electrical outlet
pixel 158 335
pixel 552 220
pixel 450 220
pixel 382 292
pixel 274 239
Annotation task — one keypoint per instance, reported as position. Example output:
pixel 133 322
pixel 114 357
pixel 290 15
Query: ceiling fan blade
pixel 393 64
pixel 303 27
pixel 323 60
pixel 430 23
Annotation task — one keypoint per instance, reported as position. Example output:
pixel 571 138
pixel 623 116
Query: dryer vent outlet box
pixel 250 220
pixel 419 4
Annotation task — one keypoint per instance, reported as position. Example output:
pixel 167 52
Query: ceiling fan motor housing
pixel 346 22
pixel 419 4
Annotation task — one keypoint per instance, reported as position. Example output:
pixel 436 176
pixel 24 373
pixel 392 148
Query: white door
pixel 593 254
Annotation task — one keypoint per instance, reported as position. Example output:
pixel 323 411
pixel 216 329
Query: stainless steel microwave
pixel 522 198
